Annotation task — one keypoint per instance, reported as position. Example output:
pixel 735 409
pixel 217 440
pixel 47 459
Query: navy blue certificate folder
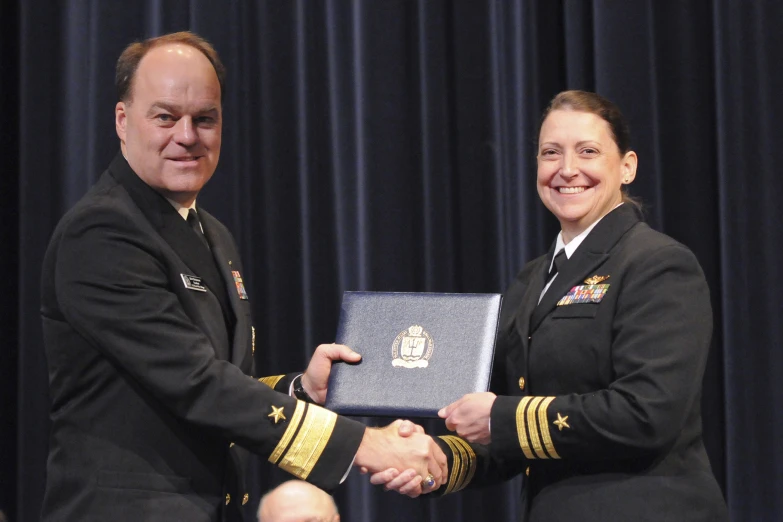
pixel 420 352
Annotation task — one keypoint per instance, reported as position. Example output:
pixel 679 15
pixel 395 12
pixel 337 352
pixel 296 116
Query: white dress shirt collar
pixel 572 245
pixel 570 248
pixel 183 211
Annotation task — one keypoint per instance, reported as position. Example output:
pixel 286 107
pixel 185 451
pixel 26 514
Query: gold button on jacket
pixel 521 383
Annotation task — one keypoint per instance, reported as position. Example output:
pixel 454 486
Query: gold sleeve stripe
pixel 463 466
pixel 532 423
pixel 543 423
pixel 271 381
pixel 456 464
pixel 522 428
pixel 309 444
pixel 293 425
pixel 471 462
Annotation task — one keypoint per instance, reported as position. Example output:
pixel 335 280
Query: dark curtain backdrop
pixel 389 145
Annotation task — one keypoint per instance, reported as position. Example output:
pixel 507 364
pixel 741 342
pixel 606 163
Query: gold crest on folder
pixel 412 348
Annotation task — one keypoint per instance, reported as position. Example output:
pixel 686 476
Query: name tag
pixel 584 294
pixel 193 283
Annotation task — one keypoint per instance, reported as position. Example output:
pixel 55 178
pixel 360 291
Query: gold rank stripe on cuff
pixel 533 428
pixel 310 428
pixel 293 426
pixel 271 381
pixel 457 469
pixel 543 424
pixel 463 466
pixel 522 428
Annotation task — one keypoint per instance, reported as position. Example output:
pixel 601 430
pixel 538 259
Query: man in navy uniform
pixel 148 336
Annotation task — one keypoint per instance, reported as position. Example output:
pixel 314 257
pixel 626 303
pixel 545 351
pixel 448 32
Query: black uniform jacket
pixel 599 385
pixel 149 347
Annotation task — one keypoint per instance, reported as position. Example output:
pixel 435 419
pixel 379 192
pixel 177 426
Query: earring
pixel 627 180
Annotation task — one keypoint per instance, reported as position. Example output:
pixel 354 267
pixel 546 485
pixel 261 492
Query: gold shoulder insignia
pixel 596 279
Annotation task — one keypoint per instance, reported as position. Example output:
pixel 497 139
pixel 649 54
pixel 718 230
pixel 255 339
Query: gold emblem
pixel 560 422
pixel 277 413
pixel 245 499
pixel 412 348
pixel 595 279
pixel 253 339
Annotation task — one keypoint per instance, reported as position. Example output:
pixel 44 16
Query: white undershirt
pixel 183 211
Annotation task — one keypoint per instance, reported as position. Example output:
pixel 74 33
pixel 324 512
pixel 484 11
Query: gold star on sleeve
pixel 560 422
pixel 277 414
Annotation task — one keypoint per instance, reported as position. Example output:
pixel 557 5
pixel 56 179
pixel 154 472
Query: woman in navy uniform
pixel 601 351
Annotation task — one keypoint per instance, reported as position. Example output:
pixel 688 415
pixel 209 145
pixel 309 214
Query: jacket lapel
pixel 196 255
pixel 227 260
pixel 590 255
pixel 530 298
pixel 175 231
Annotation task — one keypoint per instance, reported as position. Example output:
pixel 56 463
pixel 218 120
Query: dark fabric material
pixel 390 146
pixel 611 404
pixel 195 225
pixel 152 403
pixel 557 264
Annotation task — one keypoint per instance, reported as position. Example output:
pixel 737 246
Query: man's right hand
pixel 405 482
pixel 385 449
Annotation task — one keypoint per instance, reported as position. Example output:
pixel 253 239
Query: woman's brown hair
pixel 593 103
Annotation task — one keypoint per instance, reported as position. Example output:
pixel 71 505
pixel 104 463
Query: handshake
pixel 403 458
pixel 400 456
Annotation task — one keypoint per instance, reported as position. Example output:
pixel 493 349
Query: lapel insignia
pixel 239 284
pixel 560 422
pixel 584 294
pixel 596 279
pixel 277 413
pixel 193 283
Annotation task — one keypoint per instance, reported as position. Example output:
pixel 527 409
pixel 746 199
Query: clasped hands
pixel 468 416
pixel 401 456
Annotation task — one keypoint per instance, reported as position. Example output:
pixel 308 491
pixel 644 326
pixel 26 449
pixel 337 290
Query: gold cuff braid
pixel 533 432
pixel 463 466
pixel 304 440
pixel 271 381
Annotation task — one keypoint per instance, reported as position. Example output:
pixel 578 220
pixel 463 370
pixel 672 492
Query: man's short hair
pixel 132 55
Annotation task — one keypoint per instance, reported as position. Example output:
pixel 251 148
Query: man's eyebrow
pixel 208 109
pixel 168 107
pixel 175 109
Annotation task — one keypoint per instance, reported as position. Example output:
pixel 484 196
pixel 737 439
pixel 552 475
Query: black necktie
pixel 557 264
pixel 195 224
